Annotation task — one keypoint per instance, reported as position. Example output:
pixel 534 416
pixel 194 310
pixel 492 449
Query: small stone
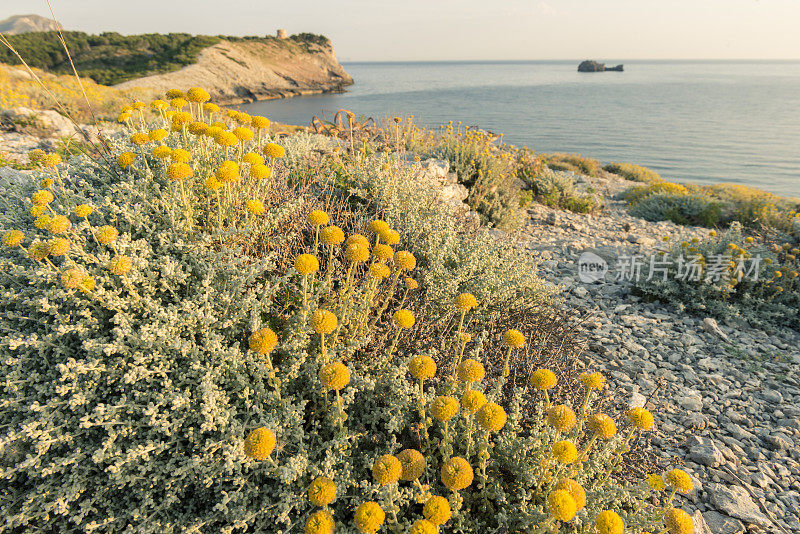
pixel 718 523
pixel 736 502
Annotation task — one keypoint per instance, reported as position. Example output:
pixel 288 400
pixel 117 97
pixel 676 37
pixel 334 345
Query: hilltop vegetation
pixel 111 58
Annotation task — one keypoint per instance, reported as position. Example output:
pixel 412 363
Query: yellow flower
pixel 383 252
pixel 602 425
pixel 641 418
pixel 575 490
pixel 253 159
pixel 243 118
pixel 42 222
pixel 357 239
pixel 260 171
pixel 322 491
pixel 389 236
pixel 158 134
pixel 226 138
pixel 565 452
pixel 561 417
pixel 423 526
pixel 174 93
pixel 656 482
pixel 422 367
pixel 139 139
pixel 320 522
pixel 13 238
pixel 593 380
pixel 369 517
pixel 72 278
pixel 243 134
pixel 608 522
pixel 255 206
pixel 84 210
pixel 88 283
pixel 37 211
pixel 260 122
pixel 465 302
pixel 470 371
pixel 543 379
pixel 178 103
pixel 331 235
pixel 38 251
pixel 491 417
pixel 561 505
pixel 58 246
pixel 106 234
pixel 404 260
pixel 272 150
pixel 306 264
pixel 472 401
pixel 357 253
pixel 262 341
pixel 42 198
pixel 377 226
pixel 456 474
pixel 158 104
pixel 212 183
pixel 437 510
pixel 410 283
pixel 259 443
pixel 404 318
pixel 514 339
pixel 318 218
pixel 386 470
pixel 323 321
pixel 36 155
pixel 59 224
pixel 228 171
pixel 334 376
pixel 680 480
pixel 120 265
pixel 47 183
pixel 444 408
pixel 138 106
pixel 126 159
pixel 51 160
pixel 162 151
pixel 179 171
pixel 198 94
pixel 379 271
pixel 413 464
pixel 180 155
pixel 678 522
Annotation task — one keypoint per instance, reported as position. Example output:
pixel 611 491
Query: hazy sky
pixel 466 29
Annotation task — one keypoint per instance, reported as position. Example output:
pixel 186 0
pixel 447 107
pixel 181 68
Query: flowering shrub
pixel 731 276
pixel 573 162
pixel 637 173
pixel 558 191
pixel 161 375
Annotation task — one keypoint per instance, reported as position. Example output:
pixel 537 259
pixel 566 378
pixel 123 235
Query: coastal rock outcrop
pixel 240 71
pixel 594 66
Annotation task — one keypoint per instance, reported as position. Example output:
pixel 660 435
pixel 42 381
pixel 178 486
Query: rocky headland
pixel 594 66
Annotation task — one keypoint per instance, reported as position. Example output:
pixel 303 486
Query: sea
pixel 703 122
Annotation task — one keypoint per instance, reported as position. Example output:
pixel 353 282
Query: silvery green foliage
pixel 125 410
pixel 692 209
pixel 757 301
pixel 557 190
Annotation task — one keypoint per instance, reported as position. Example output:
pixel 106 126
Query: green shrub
pixel 693 209
pixel 636 194
pixel 573 162
pixel 558 191
pixel 636 173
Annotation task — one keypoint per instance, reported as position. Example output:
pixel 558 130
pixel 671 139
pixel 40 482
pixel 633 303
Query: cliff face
pixel 246 70
pixel 26 24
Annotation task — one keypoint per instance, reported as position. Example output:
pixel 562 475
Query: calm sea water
pixel 699 121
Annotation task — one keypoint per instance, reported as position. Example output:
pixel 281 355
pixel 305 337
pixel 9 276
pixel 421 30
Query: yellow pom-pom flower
pixel 423 526
pixel 422 367
pixel 543 379
pixel 228 171
pixel 456 474
pixel 404 318
pixel 641 418
pixel 404 260
pixel 262 341
pixel 126 159
pixel 174 93
pixel 13 238
pixel 389 236
pixel 180 155
pixel 179 171
pixel 386 470
pixel 59 224
pixel 259 443
pixel 513 339
pixel 593 380
pixel 306 264
pixel 106 234
pixel 609 522
pixel 42 198
pixel 437 510
pixel 357 238
pixel 84 210
pixel 323 321
pixel 37 211
pixel 255 206
pixel 678 522
pixel 561 505
pixel 159 134
pixel 383 252
pixel 656 482
pixel 334 376
pixel 465 302
pixel 565 452
pixel 322 491
pixel 491 417
pixel 260 122
pixel 357 253
pixel 472 401
pixel 444 408
pixel 680 481
pixel 272 150
pixel 413 464
pixel 72 278
pixel 260 171
pixel 331 235
pixel 38 251
pixel 140 139
pixel 197 94
pixel 42 222
pixel 120 265
pixel 379 271
pixel 178 103
pixel 320 522
pixel 52 160
pixel 369 517
pixel 318 218
pixel 212 183
pixel 243 134
pixel 251 158
pixel 410 283
pixel 377 226
pixel 602 425
pixel 162 152
pixel 46 183
pixel 226 138
pixel 561 417
pixel 470 371
pixel 575 490
pixel 58 246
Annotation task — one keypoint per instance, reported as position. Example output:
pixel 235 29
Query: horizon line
pixel 797 59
